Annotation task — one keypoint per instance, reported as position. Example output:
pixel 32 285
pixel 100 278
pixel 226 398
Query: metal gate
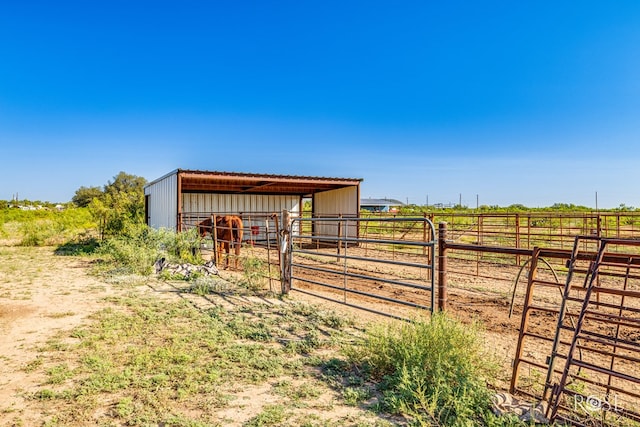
pixel 589 375
pixel 382 265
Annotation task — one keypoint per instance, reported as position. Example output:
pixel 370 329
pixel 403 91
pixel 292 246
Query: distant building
pixel 380 205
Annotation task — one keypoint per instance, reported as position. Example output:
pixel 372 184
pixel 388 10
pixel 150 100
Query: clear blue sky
pixel 531 102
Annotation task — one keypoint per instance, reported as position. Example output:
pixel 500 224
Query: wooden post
pixel 442 266
pixel 285 252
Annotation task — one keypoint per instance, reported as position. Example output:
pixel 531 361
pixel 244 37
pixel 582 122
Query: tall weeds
pixel 434 372
pixel 137 250
pixel 44 227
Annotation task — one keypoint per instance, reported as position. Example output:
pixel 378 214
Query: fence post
pixel 214 239
pixel 518 237
pixel 442 266
pixel 424 233
pixel 285 252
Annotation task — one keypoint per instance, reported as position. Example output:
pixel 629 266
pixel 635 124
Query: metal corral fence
pixel 382 265
pixel 578 336
pixel 477 243
pixel 522 232
pixel 260 228
pixel 260 242
pixel 579 330
pixel 578 346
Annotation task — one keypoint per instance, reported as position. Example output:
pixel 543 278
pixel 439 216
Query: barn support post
pixel 442 266
pixel 285 250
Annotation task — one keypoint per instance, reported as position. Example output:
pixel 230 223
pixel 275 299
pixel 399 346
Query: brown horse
pixel 228 233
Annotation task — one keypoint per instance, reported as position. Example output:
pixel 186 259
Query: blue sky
pixel 501 102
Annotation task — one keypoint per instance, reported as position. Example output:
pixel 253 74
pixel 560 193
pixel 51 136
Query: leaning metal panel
pixel 599 382
pixel 578 347
pixel 389 272
pixel 539 343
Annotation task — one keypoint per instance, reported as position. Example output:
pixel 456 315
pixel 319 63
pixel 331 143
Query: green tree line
pixel 116 209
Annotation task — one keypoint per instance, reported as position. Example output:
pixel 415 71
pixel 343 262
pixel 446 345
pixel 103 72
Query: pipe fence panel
pixel 599 382
pixel 382 265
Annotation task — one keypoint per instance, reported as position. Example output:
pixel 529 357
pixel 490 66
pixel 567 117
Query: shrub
pixel 34 233
pixel 433 372
pixel 139 247
pixel 254 273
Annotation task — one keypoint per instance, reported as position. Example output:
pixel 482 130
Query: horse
pixel 228 230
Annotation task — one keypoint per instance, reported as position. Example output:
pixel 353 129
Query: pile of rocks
pixel 186 270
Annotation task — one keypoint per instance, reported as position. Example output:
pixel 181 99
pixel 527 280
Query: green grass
pixel 168 362
pixel 146 360
pixel 271 415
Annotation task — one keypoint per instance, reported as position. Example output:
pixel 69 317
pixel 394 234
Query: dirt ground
pixel 42 295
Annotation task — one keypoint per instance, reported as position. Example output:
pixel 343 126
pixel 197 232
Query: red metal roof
pixel 250 183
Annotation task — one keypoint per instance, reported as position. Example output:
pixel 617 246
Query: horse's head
pixel 204 227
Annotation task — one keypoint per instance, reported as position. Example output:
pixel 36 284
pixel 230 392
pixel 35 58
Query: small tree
pixel 121 205
pixel 84 196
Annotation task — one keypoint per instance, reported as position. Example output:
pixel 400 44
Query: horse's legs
pixel 219 254
pixel 237 245
pixel 225 246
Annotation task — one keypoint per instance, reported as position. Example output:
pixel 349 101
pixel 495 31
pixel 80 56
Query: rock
pixel 186 270
pixel 505 403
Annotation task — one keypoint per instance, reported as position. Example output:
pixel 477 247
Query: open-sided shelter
pixel 188 193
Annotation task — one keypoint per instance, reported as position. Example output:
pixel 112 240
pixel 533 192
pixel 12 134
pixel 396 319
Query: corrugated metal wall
pixel 330 204
pixel 162 205
pixel 239 203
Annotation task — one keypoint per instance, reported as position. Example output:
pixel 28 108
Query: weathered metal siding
pixel 239 203
pixel 334 203
pixel 163 202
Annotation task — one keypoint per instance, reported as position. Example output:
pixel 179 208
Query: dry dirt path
pixel 40 296
pixel 43 295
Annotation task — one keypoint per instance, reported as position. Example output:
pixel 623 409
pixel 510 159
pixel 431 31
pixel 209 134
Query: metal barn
pixel 180 197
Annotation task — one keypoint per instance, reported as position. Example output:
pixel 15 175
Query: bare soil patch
pixel 44 297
